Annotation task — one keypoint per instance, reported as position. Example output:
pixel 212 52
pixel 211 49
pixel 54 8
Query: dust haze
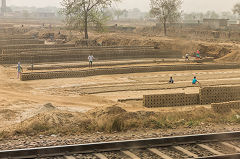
pixel 188 5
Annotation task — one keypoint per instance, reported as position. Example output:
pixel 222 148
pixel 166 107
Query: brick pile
pixel 210 95
pixel 219 97
pixel 225 107
pixel 169 100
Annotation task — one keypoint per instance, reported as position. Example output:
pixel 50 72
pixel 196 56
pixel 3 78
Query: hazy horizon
pixel 188 5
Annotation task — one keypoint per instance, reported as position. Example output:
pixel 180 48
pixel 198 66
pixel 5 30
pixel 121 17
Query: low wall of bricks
pixel 85 65
pixel 16 36
pixel 218 97
pixel 32 46
pixel 70 74
pixel 20 41
pixel 225 107
pixel 210 95
pixel 169 100
pixel 94 72
pixel 121 70
pixel 46 49
pixel 81 55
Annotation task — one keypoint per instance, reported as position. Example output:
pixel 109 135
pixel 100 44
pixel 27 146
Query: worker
pixel 171 80
pixel 19 70
pixel 198 55
pixel 187 57
pixel 90 59
pixel 195 81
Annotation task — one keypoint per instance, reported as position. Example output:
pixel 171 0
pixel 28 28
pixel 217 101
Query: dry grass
pixel 116 119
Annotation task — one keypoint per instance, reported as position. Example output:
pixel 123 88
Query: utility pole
pixel 4 7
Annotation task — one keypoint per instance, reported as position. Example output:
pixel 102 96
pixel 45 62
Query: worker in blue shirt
pixel 194 81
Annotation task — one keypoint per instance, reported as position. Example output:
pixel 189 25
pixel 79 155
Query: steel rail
pixel 227 156
pixel 118 145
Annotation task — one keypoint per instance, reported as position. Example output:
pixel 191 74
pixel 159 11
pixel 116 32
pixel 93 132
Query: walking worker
pixel 90 59
pixel 171 80
pixel 19 70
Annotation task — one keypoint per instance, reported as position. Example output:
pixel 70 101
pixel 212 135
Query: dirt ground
pixel 23 100
pixel 65 108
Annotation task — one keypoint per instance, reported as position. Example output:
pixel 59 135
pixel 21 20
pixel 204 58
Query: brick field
pixel 132 77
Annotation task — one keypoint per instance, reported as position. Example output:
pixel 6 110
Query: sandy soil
pixel 22 100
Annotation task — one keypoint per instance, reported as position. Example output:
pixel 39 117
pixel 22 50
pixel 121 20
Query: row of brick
pixel 225 107
pixel 75 55
pixel 42 47
pixel 210 95
pixel 121 70
pixel 207 95
pixel 169 100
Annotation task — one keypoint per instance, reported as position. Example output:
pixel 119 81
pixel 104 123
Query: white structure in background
pixel 3 7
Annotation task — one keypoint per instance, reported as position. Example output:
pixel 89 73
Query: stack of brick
pixel 219 97
pixel 225 107
pixel 168 100
pixel 82 54
pixel 210 95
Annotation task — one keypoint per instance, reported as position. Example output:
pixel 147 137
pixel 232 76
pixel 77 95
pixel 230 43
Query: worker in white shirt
pixel 90 59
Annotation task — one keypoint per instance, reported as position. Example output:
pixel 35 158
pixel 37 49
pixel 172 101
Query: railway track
pixel 221 145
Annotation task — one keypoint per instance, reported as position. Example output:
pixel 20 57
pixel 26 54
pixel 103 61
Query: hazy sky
pixel 188 5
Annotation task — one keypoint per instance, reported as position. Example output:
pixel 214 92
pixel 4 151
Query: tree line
pixel 80 14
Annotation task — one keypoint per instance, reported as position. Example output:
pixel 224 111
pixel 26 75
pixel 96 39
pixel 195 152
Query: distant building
pixel 216 23
pixel 45 15
pixel 191 21
pixel 233 22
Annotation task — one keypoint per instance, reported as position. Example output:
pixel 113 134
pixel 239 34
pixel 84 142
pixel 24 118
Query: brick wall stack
pixel 168 100
pixel 82 54
pixel 210 95
pixel 225 107
pixel 20 41
pixel 122 70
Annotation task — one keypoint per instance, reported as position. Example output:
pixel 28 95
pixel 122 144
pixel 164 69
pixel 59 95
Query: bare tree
pixel 166 11
pixel 118 13
pixel 80 13
pixel 236 9
pixel 211 15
